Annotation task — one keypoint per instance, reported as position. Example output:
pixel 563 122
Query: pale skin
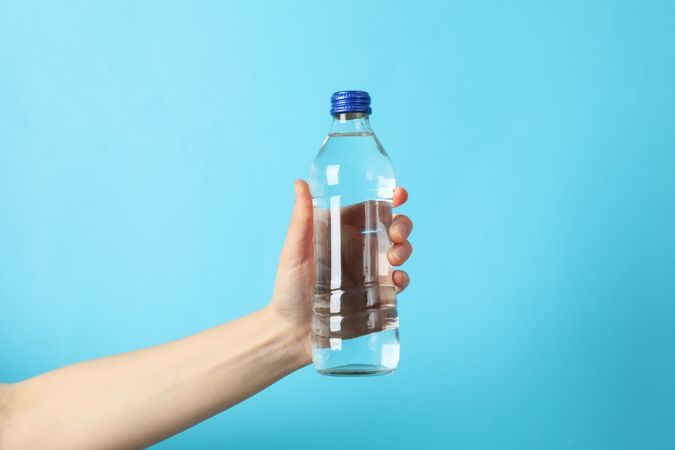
pixel 136 399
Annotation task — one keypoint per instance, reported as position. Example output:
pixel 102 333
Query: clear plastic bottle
pixel 355 321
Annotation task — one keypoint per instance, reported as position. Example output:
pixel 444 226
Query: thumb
pixel 299 238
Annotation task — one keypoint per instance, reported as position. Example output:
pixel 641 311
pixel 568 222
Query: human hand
pixel 294 286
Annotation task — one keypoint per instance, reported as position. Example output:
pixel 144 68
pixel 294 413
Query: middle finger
pixel 400 228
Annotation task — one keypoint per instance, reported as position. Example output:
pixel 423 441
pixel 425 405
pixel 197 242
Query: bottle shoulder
pixel 360 150
pixel 353 165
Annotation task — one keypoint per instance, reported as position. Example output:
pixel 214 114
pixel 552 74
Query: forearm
pixel 135 399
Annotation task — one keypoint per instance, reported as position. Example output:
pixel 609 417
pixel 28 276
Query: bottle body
pixel 355 320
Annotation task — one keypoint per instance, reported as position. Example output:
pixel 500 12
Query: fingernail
pixel 402 230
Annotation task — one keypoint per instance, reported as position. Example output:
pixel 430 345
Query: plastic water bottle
pixel 352 180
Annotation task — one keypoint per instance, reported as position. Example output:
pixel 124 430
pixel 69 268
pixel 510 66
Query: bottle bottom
pixel 372 354
pixel 356 370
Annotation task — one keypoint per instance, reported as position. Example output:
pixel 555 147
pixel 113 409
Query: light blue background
pixel 147 151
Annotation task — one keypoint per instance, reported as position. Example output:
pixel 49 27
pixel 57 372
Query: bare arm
pixel 139 398
pixel 6 391
pixel 135 399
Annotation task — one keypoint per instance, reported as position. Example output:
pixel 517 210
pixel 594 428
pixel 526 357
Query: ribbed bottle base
pixel 372 354
pixel 356 370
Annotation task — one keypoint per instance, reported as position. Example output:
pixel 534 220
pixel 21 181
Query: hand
pixel 294 286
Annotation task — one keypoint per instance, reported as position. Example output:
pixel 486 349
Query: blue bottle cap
pixel 350 102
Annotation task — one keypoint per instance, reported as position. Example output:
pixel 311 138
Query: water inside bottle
pixel 355 324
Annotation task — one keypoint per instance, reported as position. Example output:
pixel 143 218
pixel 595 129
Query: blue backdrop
pixel 147 153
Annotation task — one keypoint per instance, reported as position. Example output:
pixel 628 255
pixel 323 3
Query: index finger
pixel 400 196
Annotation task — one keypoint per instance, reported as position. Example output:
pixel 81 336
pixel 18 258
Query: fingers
pixel 400 229
pixel 401 280
pixel 398 253
pixel 400 196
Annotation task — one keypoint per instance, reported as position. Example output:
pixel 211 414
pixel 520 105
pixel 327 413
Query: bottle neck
pixel 357 123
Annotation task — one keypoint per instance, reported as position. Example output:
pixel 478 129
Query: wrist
pixel 293 339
